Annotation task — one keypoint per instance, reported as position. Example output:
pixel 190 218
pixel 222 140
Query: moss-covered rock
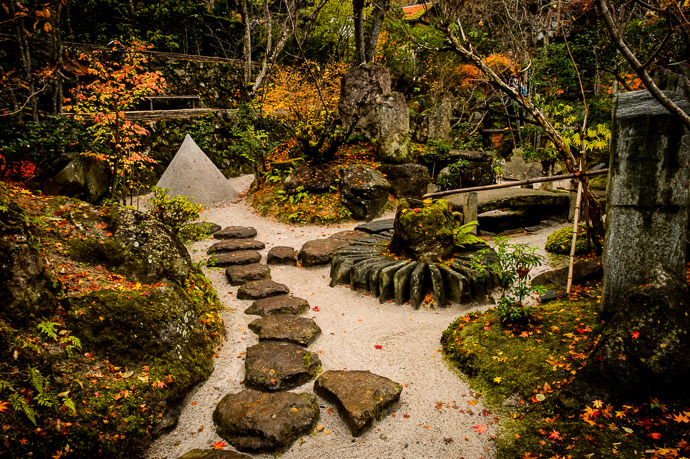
pixel 560 241
pixel 425 233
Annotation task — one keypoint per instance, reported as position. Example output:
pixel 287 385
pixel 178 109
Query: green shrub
pixel 561 240
pixel 177 212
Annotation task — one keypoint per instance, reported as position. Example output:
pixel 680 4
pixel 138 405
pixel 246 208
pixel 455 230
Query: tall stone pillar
pixel 647 195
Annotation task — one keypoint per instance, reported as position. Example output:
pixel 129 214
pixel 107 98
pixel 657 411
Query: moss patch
pixel 560 241
pixel 522 370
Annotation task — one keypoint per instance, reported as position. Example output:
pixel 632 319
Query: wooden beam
pixel 553 178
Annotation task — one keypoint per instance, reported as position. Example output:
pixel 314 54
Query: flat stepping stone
pixel 233 245
pixel 280 304
pixel 263 288
pixel 320 251
pixel 282 255
pixel 377 226
pixel 213 454
pixel 241 274
pixel 362 395
pixel 286 327
pixel 272 366
pixel 259 421
pixel 235 232
pixel 241 257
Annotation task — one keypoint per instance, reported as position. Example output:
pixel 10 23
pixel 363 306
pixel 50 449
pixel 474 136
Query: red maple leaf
pixel 378 346
pixel 635 334
pixel 654 435
pixel 3 406
pixel 220 445
pixel 554 435
pixel 480 428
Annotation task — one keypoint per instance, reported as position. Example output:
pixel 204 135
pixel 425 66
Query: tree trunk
pixel 246 45
pixel 380 9
pixel 358 16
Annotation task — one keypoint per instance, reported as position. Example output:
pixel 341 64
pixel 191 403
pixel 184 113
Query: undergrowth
pixel 521 371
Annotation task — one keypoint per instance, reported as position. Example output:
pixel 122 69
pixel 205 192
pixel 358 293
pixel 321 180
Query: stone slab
pixel 280 304
pixel 241 257
pixel 264 288
pixel 241 274
pixel 286 327
pixel 235 232
pixel 233 245
pixel 282 255
pixel 272 366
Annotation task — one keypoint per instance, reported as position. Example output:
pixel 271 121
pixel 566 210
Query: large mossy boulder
pixel 77 176
pixel 643 350
pixel 425 233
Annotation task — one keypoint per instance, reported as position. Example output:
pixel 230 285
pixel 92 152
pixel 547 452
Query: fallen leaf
pixel 635 334
pixel 378 346
pixel 480 428
pixel 220 445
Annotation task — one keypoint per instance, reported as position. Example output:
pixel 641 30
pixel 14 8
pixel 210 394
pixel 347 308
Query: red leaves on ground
pixel 220 445
pixel 3 406
pixel 378 346
pixel 654 435
pixel 635 334
pixel 479 428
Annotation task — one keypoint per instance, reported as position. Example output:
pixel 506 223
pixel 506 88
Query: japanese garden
pixel 360 229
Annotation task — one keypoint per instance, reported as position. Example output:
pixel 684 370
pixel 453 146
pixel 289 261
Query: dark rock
pixel 258 421
pixel 407 180
pixel 233 245
pixel 282 255
pixel 364 191
pixel 552 295
pixel 272 366
pixel 498 221
pixel 517 168
pixel 264 288
pixel 235 232
pixel 656 362
pixel 25 286
pixel 240 257
pixel 583 271
pixel 213 454
pixel 286 327
pixel 362 395
pixel 312 179
pixel 241 274
pixel 358 92
pixel 479 171
pixel 77 176
pixel 280 304
pixel 320 251
pixel 376 226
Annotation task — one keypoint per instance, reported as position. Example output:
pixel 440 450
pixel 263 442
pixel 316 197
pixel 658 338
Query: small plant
pixel 177 213
pixel 512 270
pixel 447 179
pixel 463 235
pixel 62 337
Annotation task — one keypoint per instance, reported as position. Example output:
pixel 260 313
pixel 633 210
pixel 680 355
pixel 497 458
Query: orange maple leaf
pixel 480 428
pixel 3 406
pixel 220 445
pixel 635 334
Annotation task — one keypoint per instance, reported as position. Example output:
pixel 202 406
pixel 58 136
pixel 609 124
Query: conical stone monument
pixel 191 173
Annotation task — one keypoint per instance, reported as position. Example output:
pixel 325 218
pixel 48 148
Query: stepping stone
pixel 258 421
pixel 280 304
pixel 286 327
pixel 362 396
pixel 241 257
pixel 320 251
pixel 377 226
pixel 241 274
pixel 235 232
pixel 272 366
pixel 264 288
pixel 213 454
pixel 233 245
pixel 282 255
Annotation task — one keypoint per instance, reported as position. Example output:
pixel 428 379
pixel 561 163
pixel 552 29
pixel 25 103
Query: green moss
pixel 521 371
pixel 560 241
pixel 424 233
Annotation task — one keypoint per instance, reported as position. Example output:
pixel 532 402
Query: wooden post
pixel 576 222
pixel 470 210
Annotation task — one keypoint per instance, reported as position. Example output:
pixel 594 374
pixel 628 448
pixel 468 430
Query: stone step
pixel 286 327
pixel 279 304
pixel 258 289
pixel 272 366
pixel 282 255
pixel 241 274
pixel 213 454
pixel 361 395
pixel 235 232
pixel 265 422
pixel 233 245
pixel 241 257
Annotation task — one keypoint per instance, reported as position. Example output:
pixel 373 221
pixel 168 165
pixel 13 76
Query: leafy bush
pixel 512 270
pixel 463 235
pixel 177 213
pixel 560 241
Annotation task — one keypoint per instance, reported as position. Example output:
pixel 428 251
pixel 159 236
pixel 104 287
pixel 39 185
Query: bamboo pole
pixel 576 223
pixel 553 178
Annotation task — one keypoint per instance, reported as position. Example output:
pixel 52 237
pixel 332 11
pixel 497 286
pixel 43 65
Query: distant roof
pixel 414 12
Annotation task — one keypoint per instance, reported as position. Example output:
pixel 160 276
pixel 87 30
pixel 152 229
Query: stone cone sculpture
pixel 191 173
